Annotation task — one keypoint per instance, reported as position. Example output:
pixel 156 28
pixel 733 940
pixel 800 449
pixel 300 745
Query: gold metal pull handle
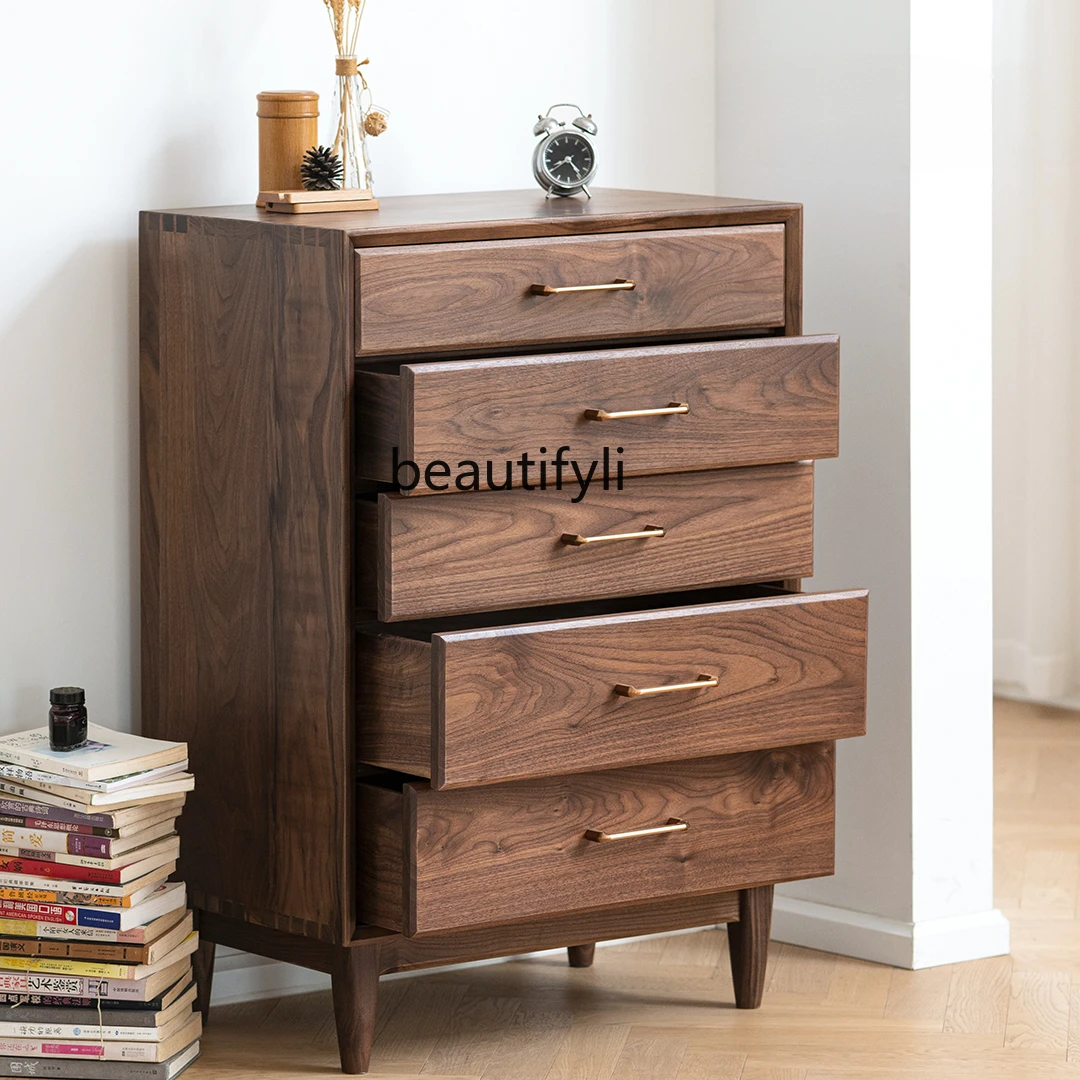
pixel 672 408
pixel 576 539
pixel 702 681
pixel 673 825
pixel 618 285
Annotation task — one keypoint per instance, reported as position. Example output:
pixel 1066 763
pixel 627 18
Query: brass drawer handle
pixel 576 539
pixel 700 683
pixel 672 408
pixel 673 825
pixel 618 285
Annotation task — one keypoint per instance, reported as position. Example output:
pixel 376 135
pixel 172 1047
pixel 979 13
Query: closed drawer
pixel 536 848
pixel 494 550
pixel 730 403
pixel 480 295
pixel 509 702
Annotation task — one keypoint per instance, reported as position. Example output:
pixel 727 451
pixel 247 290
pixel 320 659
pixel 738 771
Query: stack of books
pixel 95 941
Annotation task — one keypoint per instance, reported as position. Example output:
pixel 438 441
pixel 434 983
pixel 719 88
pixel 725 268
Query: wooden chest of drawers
pixel 472 532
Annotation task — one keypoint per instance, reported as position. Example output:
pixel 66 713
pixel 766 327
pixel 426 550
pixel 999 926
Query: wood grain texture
pixel 393 703
pixel 380 856
pixel 512 702
pixel 452 296
pixel 753 402
pixel 450 556
pixel 748 945
pixel 355 980
pixel 500 215
pixel 245 376
pixel 539 701
pixel 530 935
pixel 474 856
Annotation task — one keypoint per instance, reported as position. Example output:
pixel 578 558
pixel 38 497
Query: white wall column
pixel 877 118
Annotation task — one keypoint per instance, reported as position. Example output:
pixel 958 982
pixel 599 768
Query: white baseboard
pixel 890 941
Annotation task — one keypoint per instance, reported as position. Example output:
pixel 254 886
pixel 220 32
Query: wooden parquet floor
pixel 663 1009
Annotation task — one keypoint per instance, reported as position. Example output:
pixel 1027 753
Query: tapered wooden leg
pixel 581 955
pixel 355 985
pixel 203 964
pixel 748 944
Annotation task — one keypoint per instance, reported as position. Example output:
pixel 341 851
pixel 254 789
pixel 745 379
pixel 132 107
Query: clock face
pixel 568 159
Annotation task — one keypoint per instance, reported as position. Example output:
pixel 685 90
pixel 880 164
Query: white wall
pixel 156 109
pixel 873 116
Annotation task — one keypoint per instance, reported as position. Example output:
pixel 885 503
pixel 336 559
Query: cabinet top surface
pixel 504 214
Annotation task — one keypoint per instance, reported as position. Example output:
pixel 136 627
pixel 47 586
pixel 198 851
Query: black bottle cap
pixel 67 695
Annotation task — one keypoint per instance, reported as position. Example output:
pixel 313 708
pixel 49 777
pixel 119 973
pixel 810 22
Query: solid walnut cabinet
pixel 497 710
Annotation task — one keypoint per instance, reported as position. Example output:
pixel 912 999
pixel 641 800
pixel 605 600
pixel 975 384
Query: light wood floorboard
pixel 663 1009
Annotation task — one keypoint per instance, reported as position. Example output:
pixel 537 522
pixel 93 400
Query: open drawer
pixel 487 704
pixel 674 408
pixel 486 551
pixel 539 848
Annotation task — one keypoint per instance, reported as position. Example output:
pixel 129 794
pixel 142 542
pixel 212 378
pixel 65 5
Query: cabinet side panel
pixel 245 382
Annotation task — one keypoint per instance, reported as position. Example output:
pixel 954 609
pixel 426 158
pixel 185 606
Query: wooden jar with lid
pixel 288 128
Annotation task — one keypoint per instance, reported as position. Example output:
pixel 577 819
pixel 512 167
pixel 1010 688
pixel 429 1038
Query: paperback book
pixel 42 815
pixel 168 898
pixel 27 886
pixel 104 1032
pixel 106 755
pixel 149 953
pixel 121 1014
pixel 61 1069
pixel 106 1051
pixel 36 776
pixel 62 965
pixel 51 864
pixel 19 840
pixel 153 1005
pixel 72 804
pixel 138 935
pixel 92 986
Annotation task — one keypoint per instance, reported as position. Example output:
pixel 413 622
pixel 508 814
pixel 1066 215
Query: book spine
pixel 24 822
pixel 59 802
pixel 76 950
pixel 66 931
pixel 102 918
pixel 59 885
pixel 38 811
pixel 14 997
pixel 102 1051
pixel 54 896
pixel 85 1018
pixel 88 1070
pixel 64 871
pixel 58 965
pixel 32 982
pixel 36 839
pixel 10 1030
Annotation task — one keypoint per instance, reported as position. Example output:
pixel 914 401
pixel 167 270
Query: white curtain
pixel 1036 351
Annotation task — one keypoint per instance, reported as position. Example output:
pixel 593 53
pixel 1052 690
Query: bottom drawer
pixel 434 861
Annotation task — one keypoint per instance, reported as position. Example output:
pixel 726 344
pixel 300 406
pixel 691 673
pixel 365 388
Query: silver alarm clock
pixel 564 161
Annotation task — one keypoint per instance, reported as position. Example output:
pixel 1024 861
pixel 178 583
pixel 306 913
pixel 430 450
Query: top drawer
pixel 445 297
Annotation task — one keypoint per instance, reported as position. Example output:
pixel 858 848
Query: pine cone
pixel 321 170
pixel 375 122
